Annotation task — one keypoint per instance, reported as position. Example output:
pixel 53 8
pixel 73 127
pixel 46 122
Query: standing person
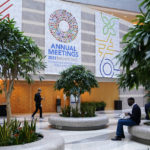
pixel 147 110
pixel 135 118
pixel 37 99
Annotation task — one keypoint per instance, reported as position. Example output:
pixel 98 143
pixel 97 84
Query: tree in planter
pixel 135 56
pixel 19 57
pixel 75 81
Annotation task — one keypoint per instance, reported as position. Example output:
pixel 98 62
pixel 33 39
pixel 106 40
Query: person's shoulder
pixel 138 107
pixel 147 104
pixel 37 94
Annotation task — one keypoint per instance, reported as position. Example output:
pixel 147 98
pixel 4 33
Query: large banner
pixel 107 45
pixel 11 9
pixel 62 36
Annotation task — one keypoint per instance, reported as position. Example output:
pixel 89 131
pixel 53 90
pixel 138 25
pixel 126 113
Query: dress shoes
pixel 117 138
pixel 122 136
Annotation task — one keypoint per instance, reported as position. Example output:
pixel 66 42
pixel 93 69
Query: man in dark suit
pixel 135 118
pixel 147 110
pixel 38 99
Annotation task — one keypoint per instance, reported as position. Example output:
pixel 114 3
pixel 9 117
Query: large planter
pixel 49 141
pixel 84 123
pixel 140 133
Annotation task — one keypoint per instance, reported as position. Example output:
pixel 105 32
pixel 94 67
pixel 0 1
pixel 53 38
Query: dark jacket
pixel 147 109
pixel 37 98
pixel 136 114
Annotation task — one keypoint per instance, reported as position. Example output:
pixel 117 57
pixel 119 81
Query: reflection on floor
pixel 90 140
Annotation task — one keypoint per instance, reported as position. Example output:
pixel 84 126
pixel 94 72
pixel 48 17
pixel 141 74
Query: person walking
pixel 38 99
pixel 134 119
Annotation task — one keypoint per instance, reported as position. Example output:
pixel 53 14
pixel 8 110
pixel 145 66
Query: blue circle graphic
pixel 108 64
pixel 103 64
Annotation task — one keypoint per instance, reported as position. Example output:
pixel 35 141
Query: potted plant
pixel 20 57
pixel 75 81
pixel 23 135
pixel 15 133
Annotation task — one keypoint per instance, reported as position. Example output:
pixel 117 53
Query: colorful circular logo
pixel 63 26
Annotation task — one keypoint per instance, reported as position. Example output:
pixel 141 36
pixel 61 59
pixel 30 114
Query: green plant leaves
pixel 86 110
pixel 76 80
pixel 18 53
pixel 20 57
pixel 14 133
pixel 135 57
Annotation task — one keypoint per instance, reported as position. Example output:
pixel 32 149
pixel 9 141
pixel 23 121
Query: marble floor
pixel 90 140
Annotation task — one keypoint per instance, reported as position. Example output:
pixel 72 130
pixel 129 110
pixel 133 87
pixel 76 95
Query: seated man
pixel 135 118
pixel 147 110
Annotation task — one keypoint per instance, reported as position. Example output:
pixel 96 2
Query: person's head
pixel 130 101
pixel 39 90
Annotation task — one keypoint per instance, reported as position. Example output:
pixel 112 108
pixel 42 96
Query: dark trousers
pixel 38 106
pixel 147 111
pixel 121 122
